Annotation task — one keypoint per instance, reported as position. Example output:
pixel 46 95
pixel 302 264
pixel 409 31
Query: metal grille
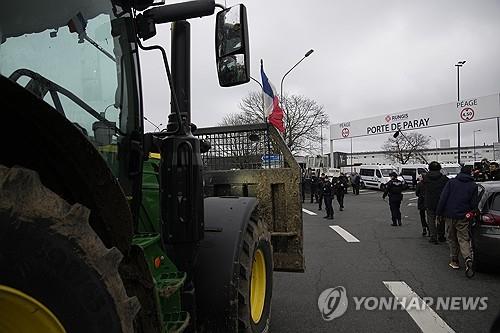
pixel 240 147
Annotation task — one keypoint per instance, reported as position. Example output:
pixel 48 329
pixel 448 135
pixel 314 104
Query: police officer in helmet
pixel 394 189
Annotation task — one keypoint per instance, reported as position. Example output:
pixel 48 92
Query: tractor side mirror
pixel 231 46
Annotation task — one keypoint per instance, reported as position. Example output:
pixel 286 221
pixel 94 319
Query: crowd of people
pixel 486 171
pixel 446 207
pixel 324 189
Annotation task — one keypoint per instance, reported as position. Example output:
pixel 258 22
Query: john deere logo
pixel 332 303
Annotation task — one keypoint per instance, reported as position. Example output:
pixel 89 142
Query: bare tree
pixel 303 120
pixel 404 148
pixel 252 111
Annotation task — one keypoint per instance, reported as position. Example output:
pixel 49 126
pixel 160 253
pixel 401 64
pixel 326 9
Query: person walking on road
pixel 314 188
pixel 394 189
pixel 432 185
pixel 328 197
pixel 321 181
pixel 356 182
pixel 340 187
pixel 421 205
pixel 458 198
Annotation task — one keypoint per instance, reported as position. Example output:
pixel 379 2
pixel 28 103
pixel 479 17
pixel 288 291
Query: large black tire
pixel 49 251
pixel 256 239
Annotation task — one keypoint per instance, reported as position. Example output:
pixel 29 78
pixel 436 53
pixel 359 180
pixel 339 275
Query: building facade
pixel 442 155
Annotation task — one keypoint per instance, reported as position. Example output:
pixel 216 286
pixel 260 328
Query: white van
pixel 450 170
pixel 376 176
pixel 410 172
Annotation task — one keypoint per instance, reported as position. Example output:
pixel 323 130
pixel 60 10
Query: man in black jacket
pixel 356 182
pixel 328 193
pixel 314 188
pixel 319 198
pixel 394 189
pixel 340 186
pixel 458 198
pixel 432 186
pixel 421 204
pixel 494 171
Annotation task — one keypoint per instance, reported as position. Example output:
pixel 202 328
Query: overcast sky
pixel 370 57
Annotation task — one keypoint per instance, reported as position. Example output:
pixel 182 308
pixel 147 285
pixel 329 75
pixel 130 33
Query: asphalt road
pixel 384 253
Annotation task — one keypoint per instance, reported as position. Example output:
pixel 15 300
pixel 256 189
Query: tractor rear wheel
pixel 50 254
pixel 256 278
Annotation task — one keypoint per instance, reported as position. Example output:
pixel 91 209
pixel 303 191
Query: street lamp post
pixel 458 65
pixel 283 78
pixel 321 134
pixel 351 155
pixel 436 151
pixel 474 135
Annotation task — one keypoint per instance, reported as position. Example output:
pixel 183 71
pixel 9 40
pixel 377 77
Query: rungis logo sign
pixel 396 117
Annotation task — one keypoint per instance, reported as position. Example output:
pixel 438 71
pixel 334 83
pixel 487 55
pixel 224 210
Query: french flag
pixel 272 109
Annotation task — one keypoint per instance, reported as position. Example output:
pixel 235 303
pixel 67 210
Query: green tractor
pixel 105 228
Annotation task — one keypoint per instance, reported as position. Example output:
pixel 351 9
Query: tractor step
pixel 176 321
pixel 169 283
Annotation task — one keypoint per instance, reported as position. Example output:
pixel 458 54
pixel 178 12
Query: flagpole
pixel 265 120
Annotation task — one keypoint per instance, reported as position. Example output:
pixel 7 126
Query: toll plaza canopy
pixel 479 108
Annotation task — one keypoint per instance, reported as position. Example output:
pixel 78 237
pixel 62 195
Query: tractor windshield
pixel 68 47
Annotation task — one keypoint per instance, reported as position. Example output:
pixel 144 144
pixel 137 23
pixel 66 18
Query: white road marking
pixel 406 193
pixel 346 235
pixel 424 316
pixel 413 198
pixel 371 192
pixel 308 212
pixel 412 204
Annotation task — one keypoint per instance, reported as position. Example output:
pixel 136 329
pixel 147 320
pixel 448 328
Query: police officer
pixel 394 188
pixel 319 195
pixel 340 186
pixel 314 188
pixel 303 185
pixel 327 191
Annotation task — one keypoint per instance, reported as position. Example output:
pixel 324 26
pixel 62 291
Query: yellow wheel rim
pixel 258 286
pixel 21 313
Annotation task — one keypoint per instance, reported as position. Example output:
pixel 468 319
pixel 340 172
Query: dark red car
pixel 486 227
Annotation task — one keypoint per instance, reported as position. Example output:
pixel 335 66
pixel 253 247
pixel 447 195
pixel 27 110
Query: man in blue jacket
pixel 459 197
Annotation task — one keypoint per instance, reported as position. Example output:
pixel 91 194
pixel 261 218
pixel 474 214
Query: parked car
pixel 486 227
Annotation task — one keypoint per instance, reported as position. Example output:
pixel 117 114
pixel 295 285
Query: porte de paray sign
pixel 480 108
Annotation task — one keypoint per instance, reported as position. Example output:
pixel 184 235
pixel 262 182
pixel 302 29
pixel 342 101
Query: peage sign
pixel 480 108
